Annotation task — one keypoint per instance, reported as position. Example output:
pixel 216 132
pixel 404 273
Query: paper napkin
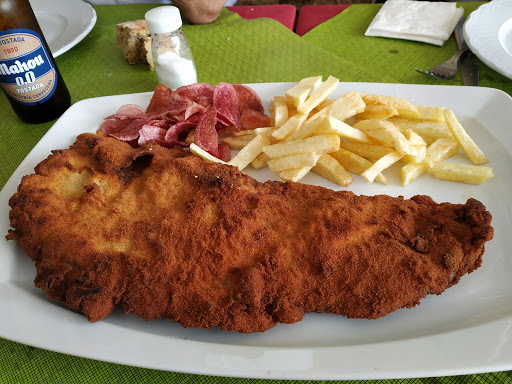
pixel 426 21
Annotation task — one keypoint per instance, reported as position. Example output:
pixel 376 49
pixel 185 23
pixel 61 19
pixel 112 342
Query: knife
pixel 468 69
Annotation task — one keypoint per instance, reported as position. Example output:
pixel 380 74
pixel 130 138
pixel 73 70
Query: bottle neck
pixel 18 14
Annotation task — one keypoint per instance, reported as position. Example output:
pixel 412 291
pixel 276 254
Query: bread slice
pixel 134 39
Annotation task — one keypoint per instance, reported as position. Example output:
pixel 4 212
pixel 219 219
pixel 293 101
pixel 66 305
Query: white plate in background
pixel 64 22
pixel 488 33
pixel 465 330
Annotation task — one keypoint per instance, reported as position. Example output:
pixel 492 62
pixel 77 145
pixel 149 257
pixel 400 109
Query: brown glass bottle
pixel 28 74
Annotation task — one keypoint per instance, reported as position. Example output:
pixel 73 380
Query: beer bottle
pixel 28 74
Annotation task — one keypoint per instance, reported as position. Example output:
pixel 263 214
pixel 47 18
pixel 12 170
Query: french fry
pixel 462 173
pixel 290 126
pixel 291 162
pixel 258 131
pixel 430 131
pixel 318 144
pixel 440 150
pixel 377 111
pixel 429 113
pixel 347 106
pixel 245 132
pixel 420 145
pixel 198 151
pixel 388 134
pixel 232 130
pixel 384 162
pixel 306 130
pixel 278 112
pixel 411 172
pixel 320 114
pixel 372 152
pixel 355 164
pixel 248 132
pixel 323 106
pixel 329 168
pixel 296 95
pixel 260 161
pixel 404 108
pixel 319 95
pixel 294 174
pixel 467 144
pixel 344 130
pixel 248 153
pixel 237 142
pixel 297 173
pixel 414 138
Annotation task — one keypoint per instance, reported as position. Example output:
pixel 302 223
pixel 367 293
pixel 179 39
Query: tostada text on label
pixel 26 70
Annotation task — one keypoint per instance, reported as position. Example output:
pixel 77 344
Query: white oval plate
pixel 467 329
pixel 64 22
pixel 488 33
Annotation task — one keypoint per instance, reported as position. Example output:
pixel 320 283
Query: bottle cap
pixel 163 19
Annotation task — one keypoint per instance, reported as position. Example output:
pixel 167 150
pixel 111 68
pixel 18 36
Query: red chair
pixel 312 15
pixel 286 14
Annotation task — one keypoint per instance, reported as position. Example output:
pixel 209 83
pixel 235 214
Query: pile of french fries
pixel 362 134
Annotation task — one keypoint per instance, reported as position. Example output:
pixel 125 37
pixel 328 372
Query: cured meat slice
pixel 251 119
pixel 248 98
pixel 175 131
pixel 131 132
pixel 172 104
pixel 205 135
pixel 149 133
pixel 225 102
pixel 224 152
pixel 201 93
pixel 109 127
pixel 160 100
pixel 129 111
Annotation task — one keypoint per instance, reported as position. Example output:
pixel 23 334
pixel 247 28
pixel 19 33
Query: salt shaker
pixel 172 57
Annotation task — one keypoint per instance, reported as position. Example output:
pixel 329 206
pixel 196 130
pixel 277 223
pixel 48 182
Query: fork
pixel 448 69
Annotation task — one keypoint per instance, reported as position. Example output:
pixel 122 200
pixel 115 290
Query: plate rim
pixel 473 42
pixel 84 7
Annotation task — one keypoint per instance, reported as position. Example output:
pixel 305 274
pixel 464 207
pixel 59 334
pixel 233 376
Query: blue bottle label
pixel 26 70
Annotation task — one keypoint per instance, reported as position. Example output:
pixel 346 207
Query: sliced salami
pixel 225 102
pixel 251 119
pixel 159 102
pixel 175 133
pixel 201 93
pixel 205 135
pixel 248 98
pixel 129 111
pixel 109 126
pixel 131 132
pixel 224 152
pixel 149 132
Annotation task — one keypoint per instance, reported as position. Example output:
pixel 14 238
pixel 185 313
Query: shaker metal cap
pixel 163 19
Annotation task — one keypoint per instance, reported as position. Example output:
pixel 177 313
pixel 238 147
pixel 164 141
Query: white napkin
pixel 429 22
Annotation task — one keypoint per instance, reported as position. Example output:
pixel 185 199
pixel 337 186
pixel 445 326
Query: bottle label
pixel 26 70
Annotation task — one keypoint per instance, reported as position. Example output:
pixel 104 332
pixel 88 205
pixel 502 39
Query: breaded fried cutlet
pixel 164 234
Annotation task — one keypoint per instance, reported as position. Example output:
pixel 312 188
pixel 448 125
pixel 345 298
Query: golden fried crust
pixel 167 235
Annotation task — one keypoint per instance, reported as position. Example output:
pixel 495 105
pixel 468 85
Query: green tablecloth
pixel 234 50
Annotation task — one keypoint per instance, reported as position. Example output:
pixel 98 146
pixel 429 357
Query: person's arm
pixel 200 11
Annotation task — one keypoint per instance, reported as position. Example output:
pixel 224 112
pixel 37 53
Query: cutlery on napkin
pixel 429 22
